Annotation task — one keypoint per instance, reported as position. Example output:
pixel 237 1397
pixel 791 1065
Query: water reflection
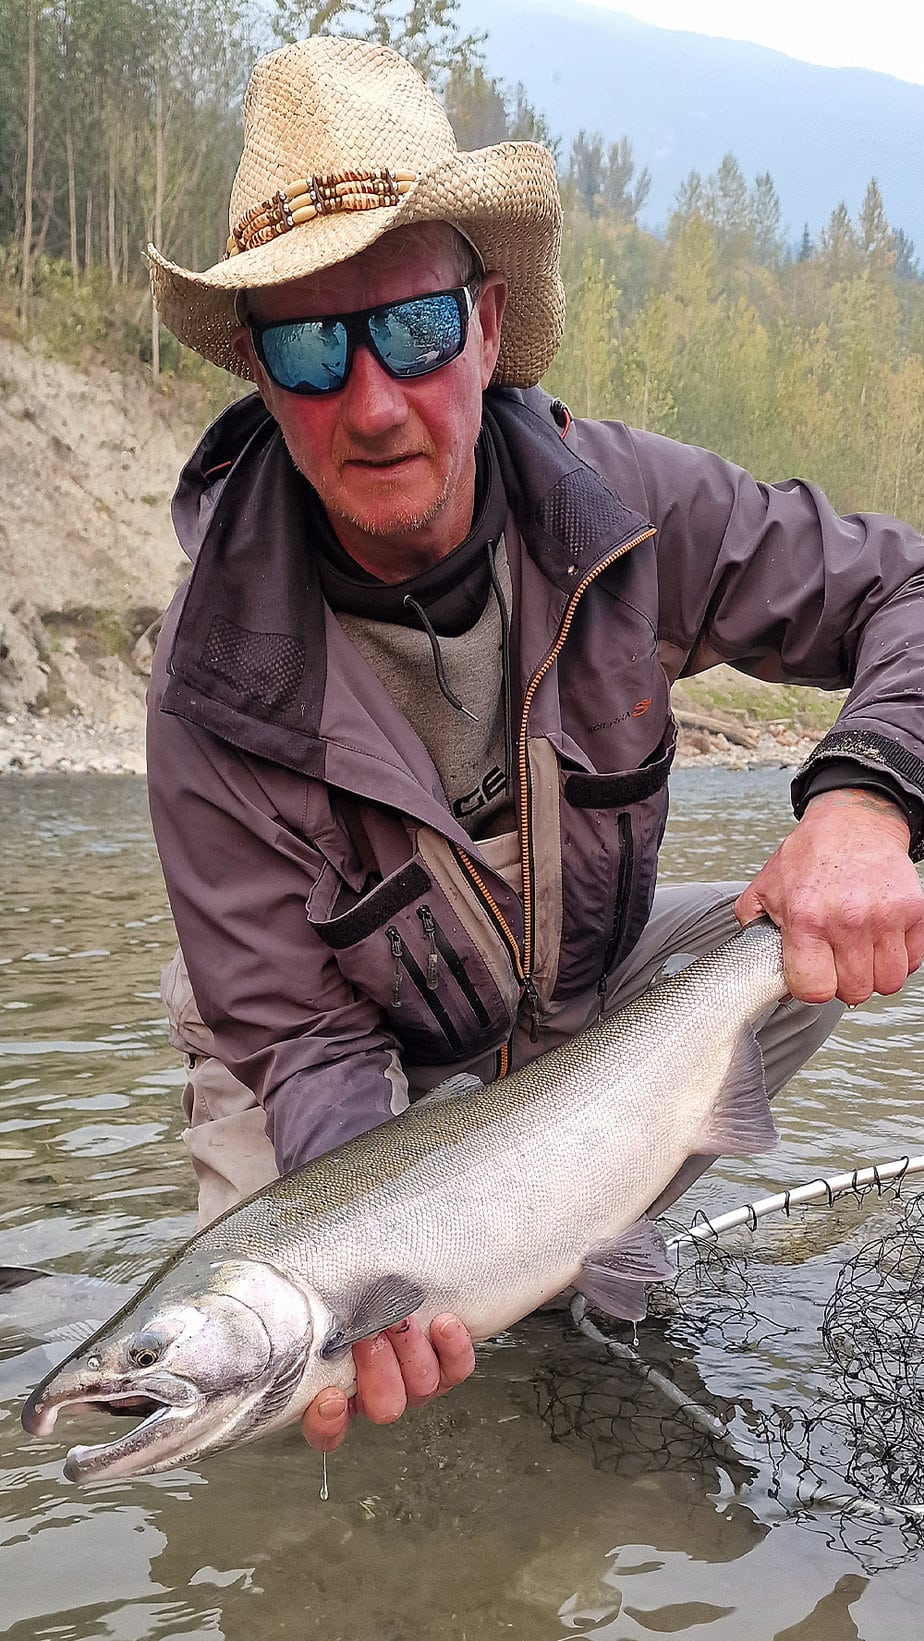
pixel 466 1520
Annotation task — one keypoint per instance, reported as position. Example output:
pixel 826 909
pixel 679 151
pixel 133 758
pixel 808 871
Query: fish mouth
pixel 105 1460
pixel 163 1422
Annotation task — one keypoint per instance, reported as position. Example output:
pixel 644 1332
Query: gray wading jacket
pixel 344 936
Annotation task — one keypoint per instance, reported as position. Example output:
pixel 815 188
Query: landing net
pixel 786 1356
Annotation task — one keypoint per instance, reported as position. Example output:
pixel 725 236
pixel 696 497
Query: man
pixel 409 729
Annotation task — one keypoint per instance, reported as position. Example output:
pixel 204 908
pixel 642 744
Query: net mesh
pixel 779 1379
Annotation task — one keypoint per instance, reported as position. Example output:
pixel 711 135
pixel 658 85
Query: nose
pixel 373 402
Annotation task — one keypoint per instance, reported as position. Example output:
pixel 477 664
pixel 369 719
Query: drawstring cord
pixel 410 603
pixel 421 614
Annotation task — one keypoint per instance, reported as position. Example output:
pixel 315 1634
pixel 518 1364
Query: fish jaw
pixel 220 1365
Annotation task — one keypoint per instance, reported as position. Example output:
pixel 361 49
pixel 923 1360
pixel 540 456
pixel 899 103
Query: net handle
pixel 877 1174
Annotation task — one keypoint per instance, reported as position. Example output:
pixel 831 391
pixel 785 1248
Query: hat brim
pixel 504 199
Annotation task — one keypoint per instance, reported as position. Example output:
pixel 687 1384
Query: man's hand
pixel 394 1370
pixel 845 897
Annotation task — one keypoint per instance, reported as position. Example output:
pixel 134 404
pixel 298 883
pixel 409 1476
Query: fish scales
pixel 587 1108
pixel 483 1203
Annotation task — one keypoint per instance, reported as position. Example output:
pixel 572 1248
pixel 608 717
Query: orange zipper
pixel 495 910
pixel 522 755
pixel 523 963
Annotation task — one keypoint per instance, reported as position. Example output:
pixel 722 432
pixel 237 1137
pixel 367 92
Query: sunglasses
pixel 409 339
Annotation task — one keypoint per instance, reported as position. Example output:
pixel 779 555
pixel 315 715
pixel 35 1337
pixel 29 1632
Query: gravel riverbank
pixel 49 743
pixel 43 743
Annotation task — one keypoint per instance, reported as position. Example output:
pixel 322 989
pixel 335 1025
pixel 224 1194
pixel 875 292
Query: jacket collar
pixel 569 517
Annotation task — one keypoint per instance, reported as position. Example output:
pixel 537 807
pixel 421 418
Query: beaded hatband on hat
pixel 344 142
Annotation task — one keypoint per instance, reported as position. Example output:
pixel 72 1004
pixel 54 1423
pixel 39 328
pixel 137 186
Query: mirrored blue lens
pixel 412 338
pixel 308 354
pixel 409 339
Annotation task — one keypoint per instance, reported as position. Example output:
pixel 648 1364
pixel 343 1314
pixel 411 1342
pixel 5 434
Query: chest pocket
pixel 612 823
pixel 401 943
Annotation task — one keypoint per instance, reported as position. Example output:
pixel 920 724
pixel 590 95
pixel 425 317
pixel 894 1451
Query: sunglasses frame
pixel 359 334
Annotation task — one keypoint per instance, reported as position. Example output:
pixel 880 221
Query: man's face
pixel 392 461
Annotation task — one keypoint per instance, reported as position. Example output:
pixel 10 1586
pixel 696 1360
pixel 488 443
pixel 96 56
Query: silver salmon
pixel 482 1201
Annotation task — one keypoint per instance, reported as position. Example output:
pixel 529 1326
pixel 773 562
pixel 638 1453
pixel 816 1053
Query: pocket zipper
pixel 397 952
pixel 429 928
pixel 621 902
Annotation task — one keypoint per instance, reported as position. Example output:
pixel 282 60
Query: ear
pixel 242 344
pixel 492 300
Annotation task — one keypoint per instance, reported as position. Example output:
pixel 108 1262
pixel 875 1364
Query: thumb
pixel 749 904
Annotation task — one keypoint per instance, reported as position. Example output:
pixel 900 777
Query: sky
pixel 887 36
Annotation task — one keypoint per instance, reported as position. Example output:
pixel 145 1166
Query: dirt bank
pixel 88 557
pixel 43 742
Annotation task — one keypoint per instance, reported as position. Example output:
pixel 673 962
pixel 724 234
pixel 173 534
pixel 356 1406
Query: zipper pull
pixel 529 987
pixel 397 952
pixel 429 928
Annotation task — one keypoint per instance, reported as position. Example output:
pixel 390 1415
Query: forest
pixel 120 124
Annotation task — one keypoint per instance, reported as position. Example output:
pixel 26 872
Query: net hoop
pixel 876 1177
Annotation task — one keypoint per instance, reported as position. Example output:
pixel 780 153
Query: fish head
pixel 212 1351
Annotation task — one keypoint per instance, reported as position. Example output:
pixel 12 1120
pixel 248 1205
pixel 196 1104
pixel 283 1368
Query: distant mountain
pixel 685 100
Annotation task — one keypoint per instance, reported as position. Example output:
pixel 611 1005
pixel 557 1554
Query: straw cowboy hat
pixel 343 141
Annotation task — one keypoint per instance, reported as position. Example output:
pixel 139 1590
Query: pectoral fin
pixel 613 1276
pixel 370 1310
pixel 462 1083
pixel 740 1122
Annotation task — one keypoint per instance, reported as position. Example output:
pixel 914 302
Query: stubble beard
pixel 406 521
pixel 403 524
pixel 403 527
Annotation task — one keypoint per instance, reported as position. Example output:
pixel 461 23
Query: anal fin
pixel 613 1276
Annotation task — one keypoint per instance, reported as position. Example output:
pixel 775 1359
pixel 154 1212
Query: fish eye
pixel 145 1351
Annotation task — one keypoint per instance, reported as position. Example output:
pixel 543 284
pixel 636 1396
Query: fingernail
pixel 449 1328
pixel 330 1408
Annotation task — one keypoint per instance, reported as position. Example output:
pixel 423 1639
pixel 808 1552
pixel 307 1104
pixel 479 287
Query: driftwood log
pixel 738 734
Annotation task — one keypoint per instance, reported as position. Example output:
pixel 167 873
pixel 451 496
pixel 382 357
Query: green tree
pixel 483 111
pixel 625 187
pixel 904 261
pixel 837 242
pixel 605 179
pixel 729 204
pixel 585 374
pixel 766 219
pixel 587 171
pixel 525 123
pixel 427 32
pixel 691 200
pixel 476 106
pixel 873 232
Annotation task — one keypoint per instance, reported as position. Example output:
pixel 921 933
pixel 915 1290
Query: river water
pixel 555 1494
